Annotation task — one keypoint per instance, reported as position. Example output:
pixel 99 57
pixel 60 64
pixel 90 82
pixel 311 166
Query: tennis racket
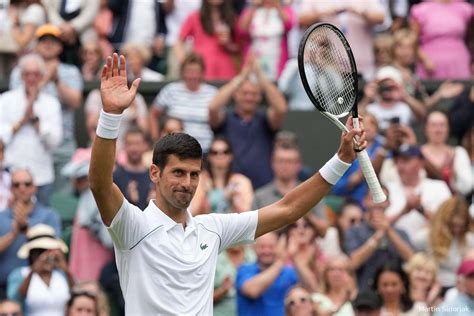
pixel 329 75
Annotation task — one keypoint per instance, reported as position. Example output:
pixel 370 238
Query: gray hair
pixel 29 58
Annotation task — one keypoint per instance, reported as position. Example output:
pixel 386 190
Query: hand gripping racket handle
pixel 369 173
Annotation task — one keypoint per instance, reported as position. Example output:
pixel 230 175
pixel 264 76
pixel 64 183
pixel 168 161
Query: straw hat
pixel 41 236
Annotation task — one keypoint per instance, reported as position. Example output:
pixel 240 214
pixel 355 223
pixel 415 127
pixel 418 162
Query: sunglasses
pixel 18 184
pixel 293 302
pixel 219 152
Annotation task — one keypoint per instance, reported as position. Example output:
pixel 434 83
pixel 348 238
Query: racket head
pixel 328 70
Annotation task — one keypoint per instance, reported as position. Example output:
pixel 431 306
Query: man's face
pixel 192 76
pixel 10 308
pixel 408 166
pixel 286 164
pixel 178 181
pixel 266 249
pixel 135 146
pixel 22 186
pixel 248 97
pixel 49 47
pixel 31 74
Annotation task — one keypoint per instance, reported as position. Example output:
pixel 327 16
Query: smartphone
pixel 395 120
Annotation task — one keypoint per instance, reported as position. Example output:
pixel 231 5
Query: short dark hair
pixel 134 130
pixel 193 58
pixel 181 145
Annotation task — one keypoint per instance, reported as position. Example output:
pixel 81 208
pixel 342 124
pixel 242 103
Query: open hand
pixel 116 96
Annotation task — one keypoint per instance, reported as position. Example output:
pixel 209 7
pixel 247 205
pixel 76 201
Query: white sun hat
pixel 41 236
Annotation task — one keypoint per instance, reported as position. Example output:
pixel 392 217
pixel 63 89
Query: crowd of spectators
pixel 411 255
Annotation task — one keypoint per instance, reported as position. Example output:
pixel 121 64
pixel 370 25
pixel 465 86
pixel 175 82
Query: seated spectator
pixel 91 245
pixel 442 53
pixel 220 189
pixel 448 238
pixel 338 288
pixel 132 176
pixel 212 29
pixel 138 56
pixel 392 284
pixel 10 307
pixel 415 198
pixel 20 19
pixel 31 126
pixel 422 276
pixel 367 303
pixel 5 181
pixel 43 286
pixel 91 61
pixel 263 28
pixel 389 99
pixel 298 302
pixel 443 161
pixel 82 303
pixel 136 115
pixel 250 131
pixel 94 289
pixel 286 165
pixel 350 214
pixel 262 286
pixel 374 242
pixel 24 212
pixel 383 45
pixel 404 51
pixel 463 302
pixel 225 295
pixel 187 100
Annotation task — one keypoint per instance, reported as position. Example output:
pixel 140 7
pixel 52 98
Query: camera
pixel 395 120
pixel 384 87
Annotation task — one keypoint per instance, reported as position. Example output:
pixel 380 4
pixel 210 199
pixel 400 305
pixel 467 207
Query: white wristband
pixel 334 169
pixel 108 125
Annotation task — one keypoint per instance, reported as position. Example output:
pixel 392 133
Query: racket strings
pixel 329 71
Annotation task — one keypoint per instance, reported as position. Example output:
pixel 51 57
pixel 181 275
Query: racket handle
pixel 368 170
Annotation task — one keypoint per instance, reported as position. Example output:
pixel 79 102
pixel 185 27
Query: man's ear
pixel 155 173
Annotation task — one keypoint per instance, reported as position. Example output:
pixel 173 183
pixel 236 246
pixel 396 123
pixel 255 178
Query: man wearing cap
pixel 367 303
pixel 14 222
pixel 387 98
pixel 463 303
pixel 63 81
pixel 415 197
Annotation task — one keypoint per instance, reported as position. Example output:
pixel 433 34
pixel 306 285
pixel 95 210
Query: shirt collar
pixel 167 222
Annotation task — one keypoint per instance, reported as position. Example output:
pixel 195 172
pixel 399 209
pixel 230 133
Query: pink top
pixel 443 42
pixel 247 36
pixel 218 61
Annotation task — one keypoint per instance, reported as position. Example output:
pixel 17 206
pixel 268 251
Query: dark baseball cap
pixel 406 150
pixel 367 300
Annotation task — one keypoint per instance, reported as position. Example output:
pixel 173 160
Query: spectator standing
pixel 262 286
pixel 31 126
pixel 443 52
pixel 43 286
pixel 220 189
pixel 443 161
pixel 250 131
pixel 463 302
pixel 374 242
pixel 132 177
pixel 187 100
pixel 5 180
pixel 212 30
pixel 14 222
pixel 62 81
pixel 263 28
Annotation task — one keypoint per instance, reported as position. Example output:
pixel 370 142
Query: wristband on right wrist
pixel 334 169
pixel 108 125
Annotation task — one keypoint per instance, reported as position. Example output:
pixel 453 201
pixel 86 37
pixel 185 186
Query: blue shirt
pixel 272 301
pixel 252 144
pixel 461 305
pixel 39 215
pixel 123 177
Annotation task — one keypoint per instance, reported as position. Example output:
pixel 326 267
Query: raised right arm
pixel 116 97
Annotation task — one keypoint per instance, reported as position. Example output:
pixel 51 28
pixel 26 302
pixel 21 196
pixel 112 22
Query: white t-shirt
pixel 167 270
pixel 384 114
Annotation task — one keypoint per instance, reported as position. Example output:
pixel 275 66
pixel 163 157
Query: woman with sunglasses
pixel 298 302
pixel 220 189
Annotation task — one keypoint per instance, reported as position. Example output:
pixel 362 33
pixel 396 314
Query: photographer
pixel 43 286
pixel 386 98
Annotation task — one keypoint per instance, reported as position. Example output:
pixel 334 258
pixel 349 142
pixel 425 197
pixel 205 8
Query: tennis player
pixel 166 258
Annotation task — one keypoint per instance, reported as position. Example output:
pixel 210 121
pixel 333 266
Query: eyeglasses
pixel 219 152
pixel 293 302
pixel 27 184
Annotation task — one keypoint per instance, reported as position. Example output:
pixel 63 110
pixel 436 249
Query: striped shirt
pixel 189 106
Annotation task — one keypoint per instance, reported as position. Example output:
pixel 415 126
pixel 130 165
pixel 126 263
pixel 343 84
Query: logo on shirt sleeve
pixel 203 246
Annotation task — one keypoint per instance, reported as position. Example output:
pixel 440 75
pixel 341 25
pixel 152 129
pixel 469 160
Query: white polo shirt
pixel 166 270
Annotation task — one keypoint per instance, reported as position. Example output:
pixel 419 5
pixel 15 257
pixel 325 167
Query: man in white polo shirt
pixel 166 258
